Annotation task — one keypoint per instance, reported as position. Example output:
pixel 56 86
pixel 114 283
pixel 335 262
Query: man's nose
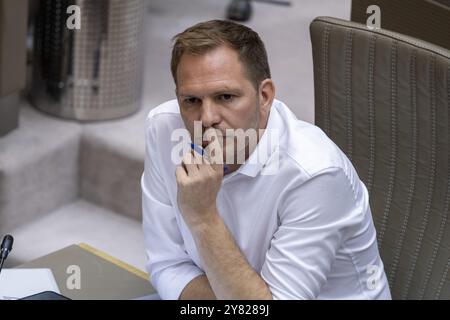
pixel 210 114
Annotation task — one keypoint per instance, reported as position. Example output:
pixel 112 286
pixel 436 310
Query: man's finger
pixel 214 157
pixel 198 159
pixel 191 166
pixel 180 173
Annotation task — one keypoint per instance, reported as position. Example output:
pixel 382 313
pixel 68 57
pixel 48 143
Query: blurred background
pixel 73 104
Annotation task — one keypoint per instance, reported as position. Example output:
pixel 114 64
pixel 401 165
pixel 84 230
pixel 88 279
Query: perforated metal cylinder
pixel 91 73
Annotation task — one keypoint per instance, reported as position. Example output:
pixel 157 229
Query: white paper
pixel 20 283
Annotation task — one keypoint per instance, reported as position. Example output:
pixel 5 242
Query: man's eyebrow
pixel 225 91
pixel 215 93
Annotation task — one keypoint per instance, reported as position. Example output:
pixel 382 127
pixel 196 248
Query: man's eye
pixel 226 97
pixel 191 100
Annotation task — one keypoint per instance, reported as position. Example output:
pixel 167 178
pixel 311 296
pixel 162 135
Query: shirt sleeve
pixel 314 216
pixel 168 264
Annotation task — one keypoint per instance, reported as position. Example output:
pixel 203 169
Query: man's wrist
pixel 208 219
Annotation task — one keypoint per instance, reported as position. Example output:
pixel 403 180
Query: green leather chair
pixel 384 99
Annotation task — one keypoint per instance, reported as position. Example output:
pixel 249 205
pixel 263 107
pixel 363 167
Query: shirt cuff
pixel 172 281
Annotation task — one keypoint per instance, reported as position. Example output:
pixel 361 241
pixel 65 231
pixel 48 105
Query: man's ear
pixel 266 95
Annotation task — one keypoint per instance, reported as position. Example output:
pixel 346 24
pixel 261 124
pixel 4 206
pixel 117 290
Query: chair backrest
pixel 427 20
pixel 384 99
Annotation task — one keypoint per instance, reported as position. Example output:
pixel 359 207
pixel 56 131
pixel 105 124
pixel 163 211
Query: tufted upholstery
pixel 384 99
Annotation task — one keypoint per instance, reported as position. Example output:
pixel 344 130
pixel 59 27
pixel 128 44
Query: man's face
pixel 213 88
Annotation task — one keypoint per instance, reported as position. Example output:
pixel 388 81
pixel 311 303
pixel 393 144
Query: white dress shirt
pixel 306 230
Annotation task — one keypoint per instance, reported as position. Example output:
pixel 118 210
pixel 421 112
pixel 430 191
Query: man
pixel 303 231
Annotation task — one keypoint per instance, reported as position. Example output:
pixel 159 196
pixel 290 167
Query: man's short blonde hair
pixel 209 35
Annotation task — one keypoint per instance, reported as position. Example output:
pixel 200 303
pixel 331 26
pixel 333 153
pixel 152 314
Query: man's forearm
pixel 229 274
pixel 198 289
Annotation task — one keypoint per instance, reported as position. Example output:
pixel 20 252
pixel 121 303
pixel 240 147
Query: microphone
pixel 6 248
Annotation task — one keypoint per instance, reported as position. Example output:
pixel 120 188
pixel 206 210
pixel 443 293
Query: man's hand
pixel 228 274
pixel 198 183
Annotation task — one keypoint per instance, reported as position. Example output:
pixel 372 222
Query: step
pixel 77 222
pixel 112 162
pixel 48 162
pixel 38 167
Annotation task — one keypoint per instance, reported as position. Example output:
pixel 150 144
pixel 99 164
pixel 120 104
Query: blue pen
pixel 201 152
pixel 197 149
